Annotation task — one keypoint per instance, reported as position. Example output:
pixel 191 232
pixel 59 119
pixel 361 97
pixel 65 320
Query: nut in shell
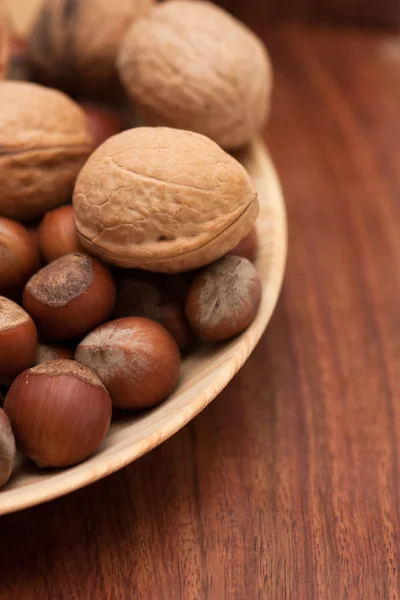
pixel 162 199
pixel 193 66
pixel 74 43
pixel 44 141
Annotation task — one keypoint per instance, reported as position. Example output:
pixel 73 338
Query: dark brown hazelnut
pixel 4 47
pixel 7 448
pixel 60 413
pixel 172 317
pixel 137 360
pixel 18 63
pixel 57 233
pixel 18 340
pixel 19 256
pixel 102 123
pixel 47 352
pixel 248 246
pixel 74 43
pixel 70 296
pixel 155 296
pixel 223 298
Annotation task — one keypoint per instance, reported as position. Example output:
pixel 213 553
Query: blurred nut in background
pixel 57 233
pixel 19 256
pixel 102 123
pixel 74 43
pixel 47 352
pixel 193 66
pixel 137 360
pixel 70 296
pixel 18 63
pixel 18 340
pixel 45 140
pixel 248 246
pixel 178 200
pixel 4 48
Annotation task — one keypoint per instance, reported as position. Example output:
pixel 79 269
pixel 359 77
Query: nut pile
pixel 121 247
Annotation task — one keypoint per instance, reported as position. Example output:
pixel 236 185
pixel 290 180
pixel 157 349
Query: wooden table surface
pixel 287 485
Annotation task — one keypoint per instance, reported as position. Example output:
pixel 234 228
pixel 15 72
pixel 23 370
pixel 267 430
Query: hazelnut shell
pixel 69 296
pixel 137 360
pixel 59 411
pixel 223 299
pixel 18 340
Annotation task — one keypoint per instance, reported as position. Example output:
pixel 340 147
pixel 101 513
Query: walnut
pixel 44 141
pixel 193 66
pixel 74 43
pixel 162 200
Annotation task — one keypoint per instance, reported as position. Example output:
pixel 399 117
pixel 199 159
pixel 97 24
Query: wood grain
pixel 287 486
pixel 204 373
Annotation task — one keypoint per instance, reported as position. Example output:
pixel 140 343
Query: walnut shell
pixel 4 48
pixel 163 200
pixel 74 43
pixel 44 141
pixel 193 66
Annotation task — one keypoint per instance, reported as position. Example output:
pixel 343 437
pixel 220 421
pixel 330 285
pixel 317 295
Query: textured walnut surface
pixel 74 43
pixel 44 142
pixel 162 199
pixel 192 65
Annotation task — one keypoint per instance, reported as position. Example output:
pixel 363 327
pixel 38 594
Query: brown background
pixel 380 13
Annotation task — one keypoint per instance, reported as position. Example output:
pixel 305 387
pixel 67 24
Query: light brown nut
pixel 74 43
pixel 163 200
pixel 193 66
pixel 4 48
pixel 44 141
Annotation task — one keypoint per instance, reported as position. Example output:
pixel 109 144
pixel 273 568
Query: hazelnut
pixel 44 141
pixel 57 233
pixel 248 246
pixel 162 200
pixel 137 360
pixel 19 256
pixel 74 43
pixel 7 448
pixel 18 340
pixel 70 296
pixel 193 66
pixel 102 123
pixel 223 299
pixel 173 318
pixel 60 413
pixel 18 63
pixel 155 296
pixel 46 352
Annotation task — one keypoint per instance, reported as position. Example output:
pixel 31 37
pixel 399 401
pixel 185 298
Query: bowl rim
pixel 231 357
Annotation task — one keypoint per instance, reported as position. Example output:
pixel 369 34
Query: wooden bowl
pixel 204 374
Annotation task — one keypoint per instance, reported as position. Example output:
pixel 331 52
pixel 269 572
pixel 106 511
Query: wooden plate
pixel 204 374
